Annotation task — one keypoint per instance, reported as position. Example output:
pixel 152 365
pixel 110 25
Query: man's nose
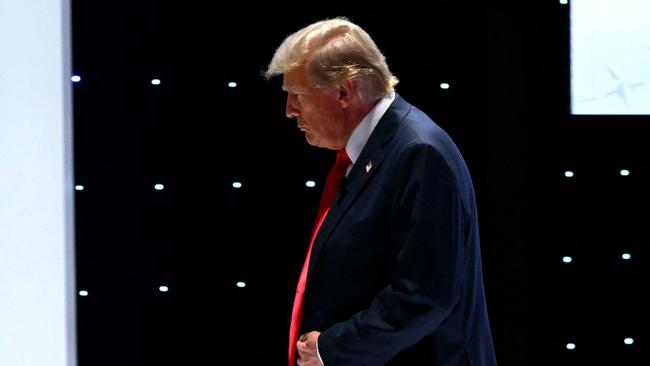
pixel 291 110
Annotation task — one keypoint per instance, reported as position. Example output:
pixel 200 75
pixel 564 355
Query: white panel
pixel 610 57
pixel 37 297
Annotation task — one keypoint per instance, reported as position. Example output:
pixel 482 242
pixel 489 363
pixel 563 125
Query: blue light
pixel 75 78
pixel 241 284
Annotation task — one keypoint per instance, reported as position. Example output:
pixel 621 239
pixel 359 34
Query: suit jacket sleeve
pixel 427 219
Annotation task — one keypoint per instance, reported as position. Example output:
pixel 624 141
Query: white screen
pixel 610 57
pixel 37 299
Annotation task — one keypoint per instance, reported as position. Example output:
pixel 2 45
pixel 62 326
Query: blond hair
pixel 332 50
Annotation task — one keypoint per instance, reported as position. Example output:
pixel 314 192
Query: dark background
pixel 507 109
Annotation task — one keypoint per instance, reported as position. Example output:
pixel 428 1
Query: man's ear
pixel 346 92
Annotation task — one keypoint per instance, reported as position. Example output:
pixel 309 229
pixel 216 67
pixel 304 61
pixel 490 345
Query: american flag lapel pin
pixel 368 167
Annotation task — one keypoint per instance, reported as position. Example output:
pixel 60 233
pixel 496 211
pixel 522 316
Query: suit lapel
pixel 364 169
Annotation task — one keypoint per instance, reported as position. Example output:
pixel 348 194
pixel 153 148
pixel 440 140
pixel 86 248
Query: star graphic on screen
pixel 624 86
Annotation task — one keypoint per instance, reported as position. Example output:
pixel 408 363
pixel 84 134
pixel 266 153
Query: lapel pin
pixel 368 167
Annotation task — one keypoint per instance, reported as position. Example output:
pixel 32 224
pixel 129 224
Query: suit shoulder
pixel 417 128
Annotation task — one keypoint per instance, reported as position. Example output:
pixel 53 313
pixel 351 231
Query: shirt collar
pixel 364 129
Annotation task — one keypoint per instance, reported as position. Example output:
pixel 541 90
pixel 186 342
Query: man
pixel 393 272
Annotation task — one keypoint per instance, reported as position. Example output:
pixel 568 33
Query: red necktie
pixel 334 178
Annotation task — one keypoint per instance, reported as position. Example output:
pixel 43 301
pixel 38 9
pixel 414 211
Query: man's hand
pixel 307 352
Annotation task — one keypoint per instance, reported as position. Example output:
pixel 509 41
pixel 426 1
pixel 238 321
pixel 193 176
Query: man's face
pixel 317 110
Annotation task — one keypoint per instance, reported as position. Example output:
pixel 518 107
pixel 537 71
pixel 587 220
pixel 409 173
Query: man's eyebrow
pixel 294 89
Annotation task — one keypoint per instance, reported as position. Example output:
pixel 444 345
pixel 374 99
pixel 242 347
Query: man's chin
pixel 311 140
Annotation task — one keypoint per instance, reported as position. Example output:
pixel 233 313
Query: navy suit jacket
pixel 395 272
